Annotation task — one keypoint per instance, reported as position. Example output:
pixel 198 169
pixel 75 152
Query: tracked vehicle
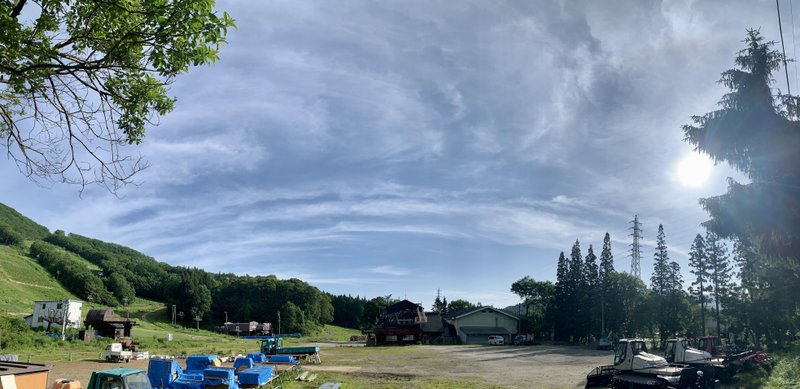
pixel 680 351
pixel 634 367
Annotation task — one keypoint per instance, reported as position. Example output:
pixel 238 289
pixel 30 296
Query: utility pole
pixel 636 250
pixel 198 320
pixel 173 315
pixel 226 317
pixel 64 320
pixel 279 322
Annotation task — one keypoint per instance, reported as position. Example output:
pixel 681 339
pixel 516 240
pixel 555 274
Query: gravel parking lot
pixel 504 366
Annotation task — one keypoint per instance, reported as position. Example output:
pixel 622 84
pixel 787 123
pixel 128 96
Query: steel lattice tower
pixel 636 250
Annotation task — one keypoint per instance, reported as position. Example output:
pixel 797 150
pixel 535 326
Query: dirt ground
pixel 506 366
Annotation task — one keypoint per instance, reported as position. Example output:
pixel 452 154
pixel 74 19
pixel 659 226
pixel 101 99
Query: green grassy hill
pixel 24 281
pixel 21 224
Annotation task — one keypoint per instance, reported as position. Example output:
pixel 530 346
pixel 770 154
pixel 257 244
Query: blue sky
pixel 375 148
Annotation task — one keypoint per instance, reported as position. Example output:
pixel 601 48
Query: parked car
pixel 496 339
pixel 520 340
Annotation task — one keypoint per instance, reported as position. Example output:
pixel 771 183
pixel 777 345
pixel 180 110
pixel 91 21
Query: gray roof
pixel 467 312
pixel 476 330
pixel 434 324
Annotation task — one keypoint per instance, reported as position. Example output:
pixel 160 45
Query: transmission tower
pixel 636 250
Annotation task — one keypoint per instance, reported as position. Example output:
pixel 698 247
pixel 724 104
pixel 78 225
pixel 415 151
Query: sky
pixel 404 147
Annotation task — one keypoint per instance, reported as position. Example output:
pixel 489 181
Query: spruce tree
pixel 591 287
pixel 699 265
pixel 606 262
pixel 604 275
pixel 661 269
pixel 719 271
pixel 561 297
pixel 577 290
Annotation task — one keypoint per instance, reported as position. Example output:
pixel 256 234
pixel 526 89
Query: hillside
pixel 24 281
pixel 22 225
pixel 114 275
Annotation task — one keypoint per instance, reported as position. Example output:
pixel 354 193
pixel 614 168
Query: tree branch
pixel 17 9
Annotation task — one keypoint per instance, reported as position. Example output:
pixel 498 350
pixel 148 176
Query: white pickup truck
pixel 115 353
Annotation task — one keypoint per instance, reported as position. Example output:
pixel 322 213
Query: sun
pixel 694 170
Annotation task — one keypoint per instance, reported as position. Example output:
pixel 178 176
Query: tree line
pixel 210 297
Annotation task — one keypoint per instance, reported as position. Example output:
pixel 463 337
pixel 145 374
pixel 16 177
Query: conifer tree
pixel 660 279
pixel 719 271
pixel 577 290
pixel 675 277
pixel 604 278
pixel 561 297
pixel 589 293
pixel 699 265
pixel 606 262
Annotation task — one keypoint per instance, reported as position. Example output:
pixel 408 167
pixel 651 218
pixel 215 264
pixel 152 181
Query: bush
pixel 786 373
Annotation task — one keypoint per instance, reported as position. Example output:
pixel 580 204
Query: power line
pixel 780 28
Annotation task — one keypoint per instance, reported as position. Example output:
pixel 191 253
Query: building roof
pixel 402 305
pixel 477 330
pixel 434 323
pixel 11 368
pixel 58 301
pixel 466 312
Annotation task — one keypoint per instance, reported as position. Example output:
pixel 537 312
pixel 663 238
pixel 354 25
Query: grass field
pixel 24 281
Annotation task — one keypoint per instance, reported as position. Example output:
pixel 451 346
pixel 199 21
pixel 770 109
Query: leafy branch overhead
pixel 81 80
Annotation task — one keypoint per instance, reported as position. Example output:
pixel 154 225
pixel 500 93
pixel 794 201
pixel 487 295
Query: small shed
pixel 107 324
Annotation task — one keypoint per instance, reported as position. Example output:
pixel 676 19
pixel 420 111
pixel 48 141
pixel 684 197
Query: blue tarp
pixel 257 357
pixel 198 363
pixel 282 359
pixel 242 362
pixel 162 372
pixel 258 375
pixel 219 376
pixel 188 381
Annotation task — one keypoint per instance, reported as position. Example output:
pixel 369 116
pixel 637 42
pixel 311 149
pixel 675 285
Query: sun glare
pixel 694 170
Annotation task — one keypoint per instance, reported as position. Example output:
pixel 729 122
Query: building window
pixel 59 306
pixel 391 338
pixel 44 306
pixel 408 338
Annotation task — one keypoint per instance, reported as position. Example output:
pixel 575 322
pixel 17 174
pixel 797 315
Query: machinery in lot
pixel 274 346
pixel 679 350
pixel 115 353
pixel 737 358
pixel 634 367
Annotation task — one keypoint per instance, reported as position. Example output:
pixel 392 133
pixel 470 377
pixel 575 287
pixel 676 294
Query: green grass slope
pixel 24 281
pixel 21 224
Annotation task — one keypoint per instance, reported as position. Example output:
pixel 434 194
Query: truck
pixel 119 378
pixel 634 367
pixel 274 346
pixel 115 353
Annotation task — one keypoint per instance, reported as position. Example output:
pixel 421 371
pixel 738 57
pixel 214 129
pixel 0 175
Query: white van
pixel 496 339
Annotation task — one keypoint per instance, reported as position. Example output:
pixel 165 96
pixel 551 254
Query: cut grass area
pixel 24 281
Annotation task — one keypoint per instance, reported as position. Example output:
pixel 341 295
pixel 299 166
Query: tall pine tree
pixel 591 302
pixel 719 271
pixel 699 265
pixel 562 298
pixel 660 281
pixel 604 275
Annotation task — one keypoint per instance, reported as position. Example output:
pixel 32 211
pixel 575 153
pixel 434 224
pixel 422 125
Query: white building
pixel 47 311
